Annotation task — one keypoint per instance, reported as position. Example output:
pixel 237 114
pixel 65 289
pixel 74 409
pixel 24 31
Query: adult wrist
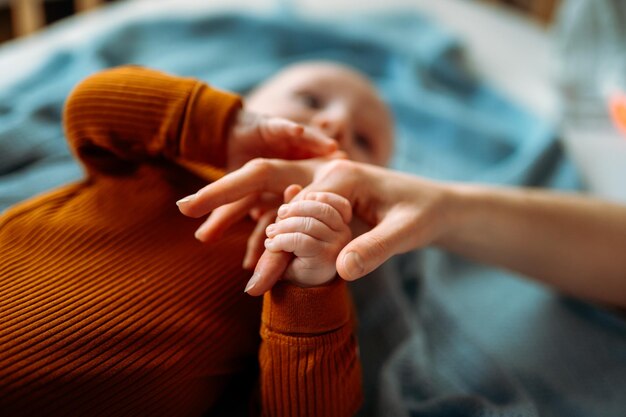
pixel 462 208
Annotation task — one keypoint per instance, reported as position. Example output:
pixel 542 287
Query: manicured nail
pixel 354 264
pixel 255 278
pixel 185 200
pixel 282 210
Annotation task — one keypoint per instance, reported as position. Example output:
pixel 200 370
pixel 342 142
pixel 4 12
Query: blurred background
pixel 22 17
pixel 563 60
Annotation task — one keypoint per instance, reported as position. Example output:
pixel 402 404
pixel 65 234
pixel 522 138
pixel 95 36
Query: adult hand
pixel 405 212
pixel 261 202
pixel 256 136
pixel 575 239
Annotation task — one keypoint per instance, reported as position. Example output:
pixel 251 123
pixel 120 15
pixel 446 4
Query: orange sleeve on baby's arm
pixel 129 114
pixel 308 357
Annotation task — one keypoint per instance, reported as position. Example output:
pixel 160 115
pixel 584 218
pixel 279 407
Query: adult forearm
pixel 573 243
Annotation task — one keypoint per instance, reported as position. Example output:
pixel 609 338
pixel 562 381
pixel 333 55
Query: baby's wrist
pixel 321 274
pixel 317 281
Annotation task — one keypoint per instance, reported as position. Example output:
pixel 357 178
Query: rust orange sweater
pixel 110 307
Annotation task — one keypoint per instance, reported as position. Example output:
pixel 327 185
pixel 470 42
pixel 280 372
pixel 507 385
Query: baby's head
pixel 335 99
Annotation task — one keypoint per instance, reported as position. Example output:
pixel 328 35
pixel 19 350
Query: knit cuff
pixel 290 309
pixel 209 116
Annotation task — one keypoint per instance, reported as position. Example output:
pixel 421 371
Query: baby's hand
pixel 256 136
pixel 314 229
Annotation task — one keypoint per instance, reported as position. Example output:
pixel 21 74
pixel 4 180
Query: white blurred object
pixel 591 39
pixel 507 49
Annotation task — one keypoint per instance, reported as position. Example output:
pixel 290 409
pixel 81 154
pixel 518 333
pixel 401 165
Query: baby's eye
pixel 362 141
pixel 311 101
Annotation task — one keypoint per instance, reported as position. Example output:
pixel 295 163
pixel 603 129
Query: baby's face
pixel 337 100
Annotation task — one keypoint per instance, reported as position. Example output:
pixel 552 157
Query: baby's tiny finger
pixel 307 225
pixel 316 141
pixel 299 244
pixel 298 138
pixel 339 203
pixel 315 209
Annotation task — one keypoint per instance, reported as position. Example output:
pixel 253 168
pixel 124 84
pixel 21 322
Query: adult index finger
pixel 256 176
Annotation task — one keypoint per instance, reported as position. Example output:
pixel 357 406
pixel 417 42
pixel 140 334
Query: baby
pixel 334 99
pixel 112 308
pixel 344 105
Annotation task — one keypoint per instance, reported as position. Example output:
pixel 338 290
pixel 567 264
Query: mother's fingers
pixel 258 175
pixel 269 270
pixel 256 240
pixel 223 217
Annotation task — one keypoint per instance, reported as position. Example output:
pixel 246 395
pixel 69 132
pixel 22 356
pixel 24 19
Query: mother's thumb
pixel 364 254
pixel 393 235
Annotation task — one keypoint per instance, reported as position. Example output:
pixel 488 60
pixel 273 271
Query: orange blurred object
pixel 617 109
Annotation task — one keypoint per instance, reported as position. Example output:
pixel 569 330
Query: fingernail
pixel 268 243
pixel 282 210
pixel 354 264
pixel 185 200
pixel 252 282
pixel 269 230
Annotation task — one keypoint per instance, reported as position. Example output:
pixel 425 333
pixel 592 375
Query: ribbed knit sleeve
pixel 308 357
pixel 124 116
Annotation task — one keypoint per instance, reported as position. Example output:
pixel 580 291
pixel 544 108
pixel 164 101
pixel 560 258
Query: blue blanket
pixel 449 125
pixel 440 336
